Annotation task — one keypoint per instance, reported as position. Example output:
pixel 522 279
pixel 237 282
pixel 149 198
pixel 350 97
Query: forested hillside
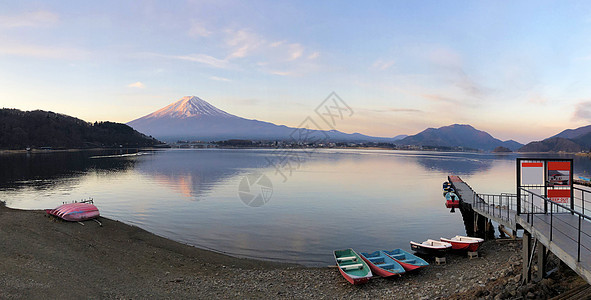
pixel 22 129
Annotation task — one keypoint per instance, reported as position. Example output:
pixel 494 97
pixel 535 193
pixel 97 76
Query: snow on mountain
pixel 189 106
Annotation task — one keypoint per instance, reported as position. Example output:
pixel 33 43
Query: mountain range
pixel 192 118
pixel 570 140
pixel 458 135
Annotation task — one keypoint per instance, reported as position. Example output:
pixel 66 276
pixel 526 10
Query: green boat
pixel 352 267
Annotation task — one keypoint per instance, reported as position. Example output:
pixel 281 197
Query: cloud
pixel 198 30
pixel 29 19
pixel 40 51
pixel 219 78
pixel 198 57
pixel 204 59
pixel 382 65
pixel 244 47
pixel 243 42
pixel 281 73
pixel 249 101
pixel 295 51
pixel 277 44
pixel 136 84
pixel 583 111
pixel 439 98
pixel 410 110
pixel 314 55
pixel 469 86
pixel 445 57
pixel 537 100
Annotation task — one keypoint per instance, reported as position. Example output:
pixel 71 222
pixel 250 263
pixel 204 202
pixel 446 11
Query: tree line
pixel 36 129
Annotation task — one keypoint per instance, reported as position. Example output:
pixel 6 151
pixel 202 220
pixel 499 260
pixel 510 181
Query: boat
pixel 352 267
pixel 382 264
pixel 452 204
pixel 431 248
pixel 584 178
pixel 75 212
pixel 448 191
pixel 452 200
pixel 408 261
pixel 464 243
pixel 452 196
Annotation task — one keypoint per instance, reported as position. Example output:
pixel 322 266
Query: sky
pixel 517 69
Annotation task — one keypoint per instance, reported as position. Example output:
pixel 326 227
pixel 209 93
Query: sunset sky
pixel 516 69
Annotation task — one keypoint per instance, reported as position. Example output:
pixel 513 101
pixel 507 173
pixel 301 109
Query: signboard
pixel 558 173
pixel 559 196
pixel 542 178
pixel 532 173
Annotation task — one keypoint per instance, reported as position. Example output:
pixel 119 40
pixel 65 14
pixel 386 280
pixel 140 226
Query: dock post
pixel 527 245
pixel 542 260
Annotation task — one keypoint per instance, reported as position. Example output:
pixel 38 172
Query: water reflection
pixel 51 169
pixel 194 173
pixel 366 200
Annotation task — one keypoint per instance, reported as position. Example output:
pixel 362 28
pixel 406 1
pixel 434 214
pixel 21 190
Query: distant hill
pixel 574 133
pixel 21 129
pixel 501 149
pixel 555 144
pixel 457 135
pixel 192 118
pixel 570 140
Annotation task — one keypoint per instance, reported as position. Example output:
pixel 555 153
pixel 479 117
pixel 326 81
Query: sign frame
pixel 556 184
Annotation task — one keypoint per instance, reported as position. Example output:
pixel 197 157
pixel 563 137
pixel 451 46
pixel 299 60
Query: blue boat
pixel 584 178
pixel 382 264
pixel 408 261
pixel 451 196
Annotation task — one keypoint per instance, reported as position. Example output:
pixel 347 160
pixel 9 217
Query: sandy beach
pixel 44 258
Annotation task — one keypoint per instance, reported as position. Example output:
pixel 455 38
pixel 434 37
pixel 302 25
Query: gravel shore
pixel 44 258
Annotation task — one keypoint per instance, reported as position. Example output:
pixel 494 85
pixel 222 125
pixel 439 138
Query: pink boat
pixel 75 212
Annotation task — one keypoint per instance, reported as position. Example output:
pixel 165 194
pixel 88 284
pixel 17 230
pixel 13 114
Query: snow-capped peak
pixel 190 106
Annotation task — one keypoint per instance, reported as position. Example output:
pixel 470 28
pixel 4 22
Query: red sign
pixel 559 173
pixel 559 196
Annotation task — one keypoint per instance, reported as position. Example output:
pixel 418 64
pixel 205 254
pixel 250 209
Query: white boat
pixel 431 247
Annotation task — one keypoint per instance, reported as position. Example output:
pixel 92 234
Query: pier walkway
pixel 562 230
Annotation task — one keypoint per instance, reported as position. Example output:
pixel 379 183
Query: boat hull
pixel 468 245
pixel 354 281
pixel 381 260
pixel 408 261
pixel 427 250
pixel 352 267
pixel 75 212
pixel 450 204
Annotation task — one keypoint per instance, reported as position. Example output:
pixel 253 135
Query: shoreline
pixel 36 151
pixel 42 257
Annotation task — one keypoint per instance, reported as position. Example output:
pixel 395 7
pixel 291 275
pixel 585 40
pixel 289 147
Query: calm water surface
pixel 363 199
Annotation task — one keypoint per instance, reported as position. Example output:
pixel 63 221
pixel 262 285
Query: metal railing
pixel 501 206
pixel 582 199
pixel 530 206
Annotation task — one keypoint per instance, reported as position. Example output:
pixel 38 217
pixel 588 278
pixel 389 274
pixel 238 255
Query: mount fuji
pixel 192 118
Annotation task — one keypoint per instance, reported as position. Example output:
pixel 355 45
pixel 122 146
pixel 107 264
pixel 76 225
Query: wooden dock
pixel 567 235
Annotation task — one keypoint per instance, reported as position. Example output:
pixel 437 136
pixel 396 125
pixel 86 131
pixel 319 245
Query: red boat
pixel 464 243
pixel 75 212
pixel 452 203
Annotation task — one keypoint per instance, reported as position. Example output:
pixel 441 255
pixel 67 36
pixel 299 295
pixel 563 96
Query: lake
pixel 320 201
